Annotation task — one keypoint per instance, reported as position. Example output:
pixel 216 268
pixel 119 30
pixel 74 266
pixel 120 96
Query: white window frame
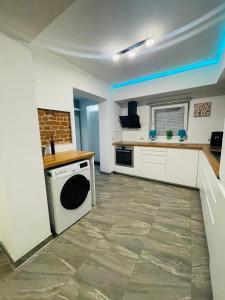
pixel 154 108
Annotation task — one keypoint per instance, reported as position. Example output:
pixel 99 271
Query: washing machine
pixel 69 194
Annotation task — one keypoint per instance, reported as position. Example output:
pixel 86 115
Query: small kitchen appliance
pixel 216 139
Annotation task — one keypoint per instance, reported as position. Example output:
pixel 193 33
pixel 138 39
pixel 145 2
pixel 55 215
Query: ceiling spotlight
pixel 131 53
pixel 149 42
pixel 116 57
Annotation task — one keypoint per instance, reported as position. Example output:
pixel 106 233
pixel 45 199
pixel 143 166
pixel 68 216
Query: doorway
pixel 86 113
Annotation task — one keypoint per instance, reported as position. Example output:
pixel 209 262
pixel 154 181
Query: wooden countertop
pixel 204 147
pixel 65 157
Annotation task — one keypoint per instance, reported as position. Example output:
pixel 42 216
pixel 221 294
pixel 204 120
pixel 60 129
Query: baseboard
pixel 16 264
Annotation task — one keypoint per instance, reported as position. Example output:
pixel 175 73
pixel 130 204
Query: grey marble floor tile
pixel 156 292
pixel 129 234
pixel 177 203
pixel 110 265
pixel 173 223
pixel 5 268
pixel 100 216
pixel 49 263
pixel 130 228
pixel 104 276
pixel 153 273
pixel 201 290
pixel 32 286
pixel 68 250
pixel 76 289
pixel 93 230
pixel 195 199
pixel 168 263
pixel 168 245
pixel 199 251
pixel 110 255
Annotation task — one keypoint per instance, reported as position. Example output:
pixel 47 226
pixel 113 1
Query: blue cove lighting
pixel 197 65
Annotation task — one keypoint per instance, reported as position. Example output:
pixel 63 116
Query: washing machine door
pixel 74 192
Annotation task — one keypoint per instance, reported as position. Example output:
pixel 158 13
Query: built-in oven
pixel 124 156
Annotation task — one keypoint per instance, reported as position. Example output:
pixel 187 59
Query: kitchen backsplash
pixel 56 124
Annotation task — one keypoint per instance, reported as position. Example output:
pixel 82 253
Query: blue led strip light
pixel 201 64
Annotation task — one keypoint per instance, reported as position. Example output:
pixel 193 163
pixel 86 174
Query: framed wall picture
pixel 202 109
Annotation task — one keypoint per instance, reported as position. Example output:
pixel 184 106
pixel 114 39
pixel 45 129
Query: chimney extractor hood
pixel 132 120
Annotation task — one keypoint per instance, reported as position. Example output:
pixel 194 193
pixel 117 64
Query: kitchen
pixel 116 249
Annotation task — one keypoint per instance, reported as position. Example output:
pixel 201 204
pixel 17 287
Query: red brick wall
pixel 56 124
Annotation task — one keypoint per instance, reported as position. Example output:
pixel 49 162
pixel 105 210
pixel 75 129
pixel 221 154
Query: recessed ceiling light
pixel 149 42
pixel 116 57
pixel 131 53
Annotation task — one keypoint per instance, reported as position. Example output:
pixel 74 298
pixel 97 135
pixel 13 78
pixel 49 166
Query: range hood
pixel 132 120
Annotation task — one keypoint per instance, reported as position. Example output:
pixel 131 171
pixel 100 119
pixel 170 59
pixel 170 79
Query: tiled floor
pixel 144 240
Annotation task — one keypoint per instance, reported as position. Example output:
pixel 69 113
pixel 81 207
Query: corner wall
pixel 54 82
pixel 199 129
pixel 24 216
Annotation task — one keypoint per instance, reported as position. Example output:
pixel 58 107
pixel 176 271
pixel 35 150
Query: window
pixel 169 117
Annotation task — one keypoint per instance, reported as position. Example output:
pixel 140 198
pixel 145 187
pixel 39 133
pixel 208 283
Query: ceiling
pixel 25 19
pixel 88 32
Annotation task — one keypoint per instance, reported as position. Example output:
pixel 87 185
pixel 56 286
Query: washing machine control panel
pixel 62 172
pixel 69 169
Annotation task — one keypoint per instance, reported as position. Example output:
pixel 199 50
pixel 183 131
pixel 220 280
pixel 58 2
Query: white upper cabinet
pixel 182 166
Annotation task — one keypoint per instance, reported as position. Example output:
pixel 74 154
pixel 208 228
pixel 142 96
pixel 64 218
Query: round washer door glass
pixel 74 192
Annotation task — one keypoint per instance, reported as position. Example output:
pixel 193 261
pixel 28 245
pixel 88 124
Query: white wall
pixel 199 129
pixel 117 133
pixel 141 134
pixel 105 133
pixel 23 199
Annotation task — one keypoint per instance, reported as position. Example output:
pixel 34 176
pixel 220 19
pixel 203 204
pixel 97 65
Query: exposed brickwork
pixel 56 124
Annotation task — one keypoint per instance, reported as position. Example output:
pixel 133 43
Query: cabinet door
pixel 182 166
pixel 153 171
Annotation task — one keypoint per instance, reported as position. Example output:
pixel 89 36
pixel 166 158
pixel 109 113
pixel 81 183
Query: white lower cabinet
pixel 124 170
pixel 177 166
pixel 182 166
pixel 213 208
pixel 150 162
pixel 153 171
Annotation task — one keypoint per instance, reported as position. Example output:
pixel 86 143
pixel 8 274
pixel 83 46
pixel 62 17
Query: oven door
pixel 124 157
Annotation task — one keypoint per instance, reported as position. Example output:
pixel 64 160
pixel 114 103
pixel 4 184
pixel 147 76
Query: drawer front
pixel 155 159
pixel 124 170
pixel 153 171
pixel 154 150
